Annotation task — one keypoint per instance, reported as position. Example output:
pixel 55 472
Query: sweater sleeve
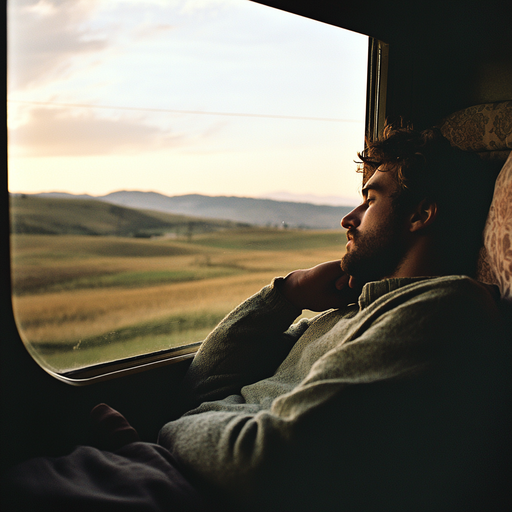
pixel 367 412
pixel 247 345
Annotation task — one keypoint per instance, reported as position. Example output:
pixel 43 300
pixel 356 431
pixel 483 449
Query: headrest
pixel 498 233
pixel 486 129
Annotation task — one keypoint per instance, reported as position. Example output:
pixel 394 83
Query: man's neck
pixel 422 259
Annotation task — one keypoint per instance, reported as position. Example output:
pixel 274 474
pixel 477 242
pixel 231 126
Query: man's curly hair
pixel 426 166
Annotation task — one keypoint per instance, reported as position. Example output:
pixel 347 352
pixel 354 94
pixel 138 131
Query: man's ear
pixel 423 216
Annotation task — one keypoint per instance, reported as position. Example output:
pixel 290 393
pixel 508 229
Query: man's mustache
pixel 352 234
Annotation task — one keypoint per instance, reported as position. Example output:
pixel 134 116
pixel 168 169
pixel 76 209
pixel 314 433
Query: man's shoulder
pixel 458 285
pixel 456 292
pixel 459 294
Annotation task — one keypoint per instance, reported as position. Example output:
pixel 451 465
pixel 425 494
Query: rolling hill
pixel 261 212
pixel 56 216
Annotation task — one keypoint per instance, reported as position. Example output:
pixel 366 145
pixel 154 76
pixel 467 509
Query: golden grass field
pixel 83 300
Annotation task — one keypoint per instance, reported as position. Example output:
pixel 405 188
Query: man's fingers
pixel 352 282
pixel 322 287
pixel 342 282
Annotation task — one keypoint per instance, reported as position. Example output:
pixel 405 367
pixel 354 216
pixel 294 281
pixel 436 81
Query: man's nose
pixel 351 220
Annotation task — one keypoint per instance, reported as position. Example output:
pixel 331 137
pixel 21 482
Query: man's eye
pixel 370 199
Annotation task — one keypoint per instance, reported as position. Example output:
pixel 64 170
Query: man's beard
pixel 376 254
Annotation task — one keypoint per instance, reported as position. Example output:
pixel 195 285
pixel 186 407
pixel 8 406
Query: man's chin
pixel 346 263
pixel 358 276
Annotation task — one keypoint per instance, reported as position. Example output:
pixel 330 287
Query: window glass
pixel 166 160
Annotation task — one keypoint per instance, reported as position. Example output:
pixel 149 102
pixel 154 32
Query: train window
pixel 166 160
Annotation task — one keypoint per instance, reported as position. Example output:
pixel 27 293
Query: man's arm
pixel 251 342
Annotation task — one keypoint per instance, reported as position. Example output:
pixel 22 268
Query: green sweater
pixel 393 403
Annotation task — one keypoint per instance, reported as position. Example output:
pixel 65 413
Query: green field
pixel 81 300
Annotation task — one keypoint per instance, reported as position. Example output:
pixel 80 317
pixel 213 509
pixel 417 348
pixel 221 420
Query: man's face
pixel 377 241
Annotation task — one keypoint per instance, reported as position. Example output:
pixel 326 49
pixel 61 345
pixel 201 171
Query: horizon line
pixel 294 197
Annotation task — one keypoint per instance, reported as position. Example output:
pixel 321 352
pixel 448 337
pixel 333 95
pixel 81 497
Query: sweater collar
pixel 376 289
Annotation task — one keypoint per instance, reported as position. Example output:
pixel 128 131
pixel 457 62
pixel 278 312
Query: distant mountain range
pixel 35 215
pixel 261 212
pixel 283 195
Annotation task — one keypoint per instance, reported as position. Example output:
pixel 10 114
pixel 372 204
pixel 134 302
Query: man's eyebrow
pixel 370 186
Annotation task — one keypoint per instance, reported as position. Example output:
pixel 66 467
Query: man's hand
pixel 320 288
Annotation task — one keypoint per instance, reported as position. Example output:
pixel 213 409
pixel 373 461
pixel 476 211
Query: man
pixel 385 403
pixel 393 397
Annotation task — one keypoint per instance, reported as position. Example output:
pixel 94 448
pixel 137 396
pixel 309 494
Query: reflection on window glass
pixel 166 160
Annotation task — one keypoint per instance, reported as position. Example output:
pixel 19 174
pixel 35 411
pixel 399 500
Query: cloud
pixel 149 30
pixel 193 6
pixel 58 132
pixel 45 36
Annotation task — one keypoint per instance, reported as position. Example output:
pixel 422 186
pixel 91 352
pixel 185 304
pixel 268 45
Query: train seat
pixel 487 130
pixel 498 232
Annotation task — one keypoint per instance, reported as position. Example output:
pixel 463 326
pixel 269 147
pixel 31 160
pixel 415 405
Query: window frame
pixel 376 92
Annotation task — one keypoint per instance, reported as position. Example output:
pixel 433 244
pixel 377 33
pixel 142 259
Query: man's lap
pixel 139 476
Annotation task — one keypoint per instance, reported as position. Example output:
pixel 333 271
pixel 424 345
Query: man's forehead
pixel 382 180
pixel 370 171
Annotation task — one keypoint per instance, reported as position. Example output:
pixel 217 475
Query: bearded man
pixel 391 399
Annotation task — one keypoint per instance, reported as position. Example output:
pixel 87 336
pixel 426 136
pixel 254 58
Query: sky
pixel 218 97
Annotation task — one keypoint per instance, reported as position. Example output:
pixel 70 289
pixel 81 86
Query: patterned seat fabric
pixel 487 130
pixel 498 233
pixel 481 128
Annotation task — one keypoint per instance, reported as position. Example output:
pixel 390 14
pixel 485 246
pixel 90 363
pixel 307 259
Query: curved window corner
pixel 165 162
pixel 127 366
